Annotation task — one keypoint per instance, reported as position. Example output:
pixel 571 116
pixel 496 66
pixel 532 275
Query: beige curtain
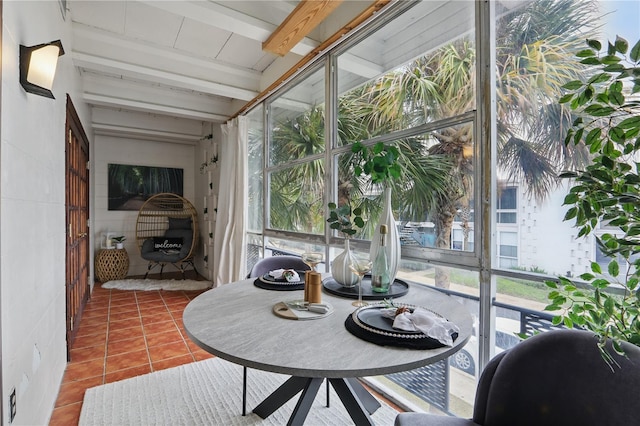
pixel 229 253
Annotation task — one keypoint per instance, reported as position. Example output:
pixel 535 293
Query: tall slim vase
pixel 393 238
pixel 340 267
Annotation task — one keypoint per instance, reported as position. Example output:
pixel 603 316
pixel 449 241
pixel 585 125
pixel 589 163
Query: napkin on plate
pixel 425 321
pixel 287 274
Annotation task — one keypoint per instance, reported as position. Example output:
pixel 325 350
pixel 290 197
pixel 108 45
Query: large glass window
pixel 256 164
pixel 255 214
pixel 508 249
pixel 296 121
pixel 296 198
pixel 403 85
pixel 416 69
pixel 532 66
pixel 507 205
pixel 409 79
pixel 433 191
pixel 296 146
pixel 536 44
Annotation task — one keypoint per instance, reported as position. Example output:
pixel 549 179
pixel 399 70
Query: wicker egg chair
pixel 167 232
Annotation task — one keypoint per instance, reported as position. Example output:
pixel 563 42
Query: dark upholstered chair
pixel 267 264
pixel 261 267
pixel 554 378
pixel 167 232
pixel 183 235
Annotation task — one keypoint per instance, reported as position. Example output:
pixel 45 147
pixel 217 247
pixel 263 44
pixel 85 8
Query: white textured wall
pixel 32 215
pixel 108 149
pixel 547 241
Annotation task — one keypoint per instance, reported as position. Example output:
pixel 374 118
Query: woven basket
pixel 112 264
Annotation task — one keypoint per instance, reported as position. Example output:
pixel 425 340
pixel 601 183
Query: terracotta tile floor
pixel 124 334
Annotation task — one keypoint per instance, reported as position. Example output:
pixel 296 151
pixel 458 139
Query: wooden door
pixel 77 207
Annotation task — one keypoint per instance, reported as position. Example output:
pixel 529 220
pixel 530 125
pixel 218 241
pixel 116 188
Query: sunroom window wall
pixel 465 89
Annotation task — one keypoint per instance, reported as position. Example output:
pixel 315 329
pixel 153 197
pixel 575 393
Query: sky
pixel 623 21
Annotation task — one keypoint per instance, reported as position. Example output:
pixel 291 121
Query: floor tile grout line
pixel 106 344
pixel 175 323
pixel 113 299
pixel 184 338
pixel 144 334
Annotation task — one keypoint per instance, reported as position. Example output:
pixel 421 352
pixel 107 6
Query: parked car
pixel 466 359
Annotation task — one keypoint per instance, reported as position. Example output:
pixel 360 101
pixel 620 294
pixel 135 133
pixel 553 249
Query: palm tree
pixel 297 192
pixel 534 47
pixel 425 177
pixel 534 59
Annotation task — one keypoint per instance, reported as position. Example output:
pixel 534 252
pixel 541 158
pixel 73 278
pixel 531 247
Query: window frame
pixel 479 260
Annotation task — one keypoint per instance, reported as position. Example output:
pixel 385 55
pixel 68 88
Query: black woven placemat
pixel 280 285
pixel 382 340
pixel 398 288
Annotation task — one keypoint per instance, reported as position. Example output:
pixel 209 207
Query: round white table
pixel 236 323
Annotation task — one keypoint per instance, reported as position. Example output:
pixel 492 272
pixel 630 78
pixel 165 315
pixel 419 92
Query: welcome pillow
pixel 167 245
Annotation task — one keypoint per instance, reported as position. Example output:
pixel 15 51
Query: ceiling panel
pixel 241 51
pixel 152 24
pixel 201 39
pixel 107 15
pixel 193 60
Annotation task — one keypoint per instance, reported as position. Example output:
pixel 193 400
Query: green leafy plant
pixel 380 161
pixel 213 160
pixel 203 166
pixel 344 219
pixel 119 239
pixel 606 194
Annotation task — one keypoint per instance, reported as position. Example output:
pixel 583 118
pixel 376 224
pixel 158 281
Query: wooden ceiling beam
pixel 304 18
pixel 373 8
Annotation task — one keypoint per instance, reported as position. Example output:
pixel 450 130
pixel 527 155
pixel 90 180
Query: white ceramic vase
pixel 340 267
pixel 393 238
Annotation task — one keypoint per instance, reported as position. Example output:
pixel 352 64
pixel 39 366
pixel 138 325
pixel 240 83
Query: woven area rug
pixel 205 393
pixel 148 285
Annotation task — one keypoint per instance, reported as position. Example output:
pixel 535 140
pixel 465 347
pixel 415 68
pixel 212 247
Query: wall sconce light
pixel 38 67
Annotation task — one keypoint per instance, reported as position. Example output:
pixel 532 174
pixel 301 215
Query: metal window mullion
pixel 423 128
pixel 486 148
pixel 331 141
pixel 292 163
pixel 441 256
pixel 295 236
pixel 266 193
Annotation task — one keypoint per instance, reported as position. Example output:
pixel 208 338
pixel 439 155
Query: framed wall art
pixel 130 186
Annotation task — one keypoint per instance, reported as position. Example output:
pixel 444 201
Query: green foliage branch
pixel 213 160
pixel 344 219
pixel 605 194
pixel 379 161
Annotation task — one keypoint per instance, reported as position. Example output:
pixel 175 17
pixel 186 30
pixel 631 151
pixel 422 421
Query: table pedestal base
pixel 356 399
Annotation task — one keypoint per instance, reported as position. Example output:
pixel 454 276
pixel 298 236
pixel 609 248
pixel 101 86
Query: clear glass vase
pixel 340 267
pixel 393 237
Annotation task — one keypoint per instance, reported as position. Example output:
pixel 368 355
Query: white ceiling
pixel 151 67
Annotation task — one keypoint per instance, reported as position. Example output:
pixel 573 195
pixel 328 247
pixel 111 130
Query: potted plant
pixel 606 195
pixel 119 241
pixel 380 163
pixel 346 221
